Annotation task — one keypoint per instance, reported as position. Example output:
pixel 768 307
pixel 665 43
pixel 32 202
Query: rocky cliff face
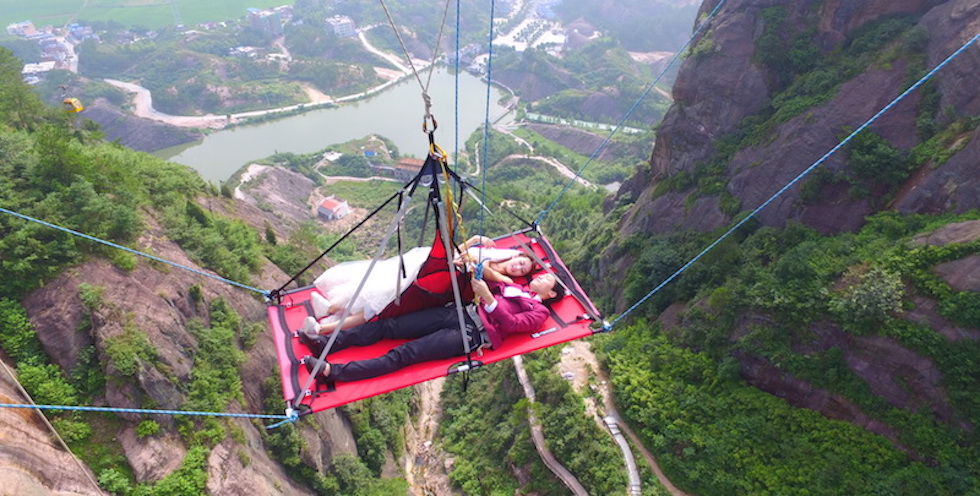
pixel 156 300
pixel 725 83
pixel 902 377
pixel 525 80
pixel 32 463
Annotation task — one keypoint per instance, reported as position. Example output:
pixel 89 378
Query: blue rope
pixel 291 417
pixel 289 420
pixel 806 171
pixel 632 109
pixel 140 410
pixel 130 250
pixel 486 121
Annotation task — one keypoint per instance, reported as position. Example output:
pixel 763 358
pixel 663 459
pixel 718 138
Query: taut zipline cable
pixel 456 95
pixel 130 250
pixel 142 411
pixel 485 156
pixel 435 55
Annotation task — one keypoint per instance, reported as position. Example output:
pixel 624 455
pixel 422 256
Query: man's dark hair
pixel 559 290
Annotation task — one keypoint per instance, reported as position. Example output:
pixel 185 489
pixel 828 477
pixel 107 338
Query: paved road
pixel 395 61
pixel 560 167
pixel 144 108
pixel 582 363
pixel 652 462
pixel 359 179
pixel 635 485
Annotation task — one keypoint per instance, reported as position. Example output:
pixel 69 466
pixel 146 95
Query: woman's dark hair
pixel 534 264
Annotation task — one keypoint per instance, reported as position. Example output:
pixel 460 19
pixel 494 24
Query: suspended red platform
pixel 571 318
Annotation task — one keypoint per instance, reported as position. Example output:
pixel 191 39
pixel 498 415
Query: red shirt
pixel 513 315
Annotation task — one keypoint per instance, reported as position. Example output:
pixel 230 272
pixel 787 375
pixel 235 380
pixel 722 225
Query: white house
pixel 332 208
pixel 342 25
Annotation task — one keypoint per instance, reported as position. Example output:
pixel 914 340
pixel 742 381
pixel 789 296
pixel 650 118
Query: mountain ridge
pixel 707 109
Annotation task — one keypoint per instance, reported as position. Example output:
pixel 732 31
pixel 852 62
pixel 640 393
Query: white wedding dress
pixel 339 282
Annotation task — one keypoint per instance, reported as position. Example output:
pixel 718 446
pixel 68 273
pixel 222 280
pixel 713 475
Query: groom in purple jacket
pixel 434 332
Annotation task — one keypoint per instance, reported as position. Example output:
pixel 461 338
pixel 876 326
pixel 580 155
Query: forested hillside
pixel 830 346
pixel 198 71
pixel 85 324
pixel 641 25
pixel 193 73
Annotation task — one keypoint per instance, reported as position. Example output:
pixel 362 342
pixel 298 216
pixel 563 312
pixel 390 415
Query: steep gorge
pixel 769 87
pixel 718 89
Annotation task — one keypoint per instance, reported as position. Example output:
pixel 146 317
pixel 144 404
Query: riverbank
pixel 395 112
pixel 143 99
pixel 143 107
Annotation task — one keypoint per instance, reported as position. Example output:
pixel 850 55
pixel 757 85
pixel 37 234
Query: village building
pixel 407 168
pixel 244 51
pixel 342 26
pixel 269 22
pixel 332 208
pixel 24 29
pixel 79 33
pixel 37 68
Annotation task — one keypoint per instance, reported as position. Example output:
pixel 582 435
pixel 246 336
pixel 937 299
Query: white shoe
pixel 321 305
pixel 310 326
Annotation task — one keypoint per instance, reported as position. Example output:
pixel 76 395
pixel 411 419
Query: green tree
pixel 19 106
pixel 190 478
pixel 18 339
pixel 357 480
pixel 47 384
pixel 114 481
pixel 871 157
pixel 869 298
pixel 129 351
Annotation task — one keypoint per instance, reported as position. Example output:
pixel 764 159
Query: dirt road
pixel 143 99
pixel 558 166
pixel 393 60
pixel 579 361
pixel 144 108
pixel 537 435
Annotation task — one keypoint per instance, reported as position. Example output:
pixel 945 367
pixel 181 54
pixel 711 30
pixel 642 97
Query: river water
pixel 395 114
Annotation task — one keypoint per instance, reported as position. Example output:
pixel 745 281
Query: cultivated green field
pixel 147 13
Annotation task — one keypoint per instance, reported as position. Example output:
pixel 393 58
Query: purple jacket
pixel 515 315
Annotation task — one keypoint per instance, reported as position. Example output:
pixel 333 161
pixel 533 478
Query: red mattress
pixel 570 320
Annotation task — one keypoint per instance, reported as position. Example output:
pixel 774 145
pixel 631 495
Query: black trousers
pixel 434 333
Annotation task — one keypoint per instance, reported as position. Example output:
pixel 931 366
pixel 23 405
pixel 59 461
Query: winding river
pixel 395 114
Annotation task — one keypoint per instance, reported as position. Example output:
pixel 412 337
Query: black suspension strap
pixel 276 294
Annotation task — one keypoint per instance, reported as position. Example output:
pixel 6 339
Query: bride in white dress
pixel 336 286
